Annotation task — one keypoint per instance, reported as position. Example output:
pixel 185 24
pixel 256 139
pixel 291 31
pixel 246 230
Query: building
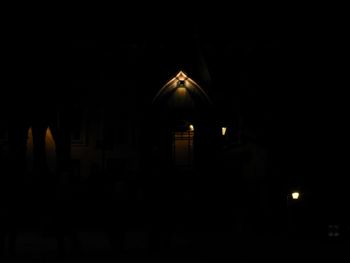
pixel 174 118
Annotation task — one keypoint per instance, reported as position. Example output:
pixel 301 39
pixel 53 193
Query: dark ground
pixel 127 221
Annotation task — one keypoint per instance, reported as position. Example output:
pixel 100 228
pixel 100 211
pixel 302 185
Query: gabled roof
pixel 183 91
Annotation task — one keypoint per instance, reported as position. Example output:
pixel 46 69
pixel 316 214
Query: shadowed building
pixel 160 139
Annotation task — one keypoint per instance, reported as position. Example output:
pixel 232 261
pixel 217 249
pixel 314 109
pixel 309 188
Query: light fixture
pixel 181 83
pixel 223 130
pixel 295 195
pixel 191 127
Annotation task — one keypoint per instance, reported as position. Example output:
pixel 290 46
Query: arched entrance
pixel 178 107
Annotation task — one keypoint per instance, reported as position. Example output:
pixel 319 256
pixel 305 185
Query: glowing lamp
pixel 223 130
pixel 295 195
pixel 181 83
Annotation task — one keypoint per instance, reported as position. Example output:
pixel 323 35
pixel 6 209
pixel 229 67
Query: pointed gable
pixel 181 92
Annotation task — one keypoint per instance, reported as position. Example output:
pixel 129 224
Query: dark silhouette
pixel 112 144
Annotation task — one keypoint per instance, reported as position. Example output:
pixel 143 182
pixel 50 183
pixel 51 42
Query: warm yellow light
pixel 295 195
pixel 191 127
pixel 50 144
pixel 50 149
pixel 223 130
pixel 180 84
pixel 181 91
pixel 30 139
pixel 181 76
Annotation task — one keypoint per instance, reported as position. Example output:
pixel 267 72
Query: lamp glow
pixel 181 91
pixel 181 76
pixel 223 130
pixel 295 195
pixel 181 83
pixel 191 127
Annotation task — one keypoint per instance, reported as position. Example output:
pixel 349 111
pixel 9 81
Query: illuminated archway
pixel 182 90
pixel 179 103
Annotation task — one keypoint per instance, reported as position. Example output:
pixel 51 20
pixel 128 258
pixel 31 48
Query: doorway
pixel 183 147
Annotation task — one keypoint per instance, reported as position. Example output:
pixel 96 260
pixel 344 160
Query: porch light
pixel 223 131
pixel 295 195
